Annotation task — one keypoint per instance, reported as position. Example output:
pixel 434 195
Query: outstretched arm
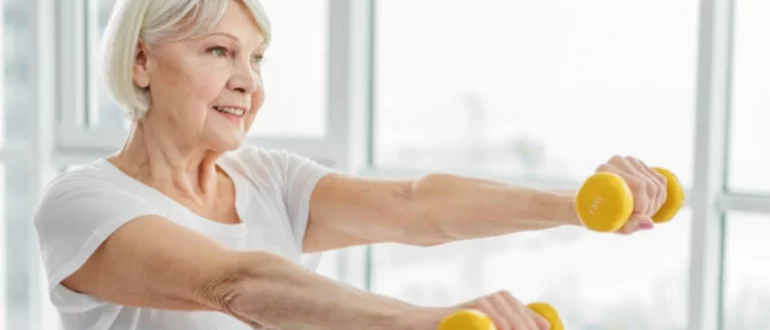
pixel 155 263
pixel 433 209
pixel 440 208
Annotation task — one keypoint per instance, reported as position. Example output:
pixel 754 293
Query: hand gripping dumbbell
pixel 471 319
pixel 604 202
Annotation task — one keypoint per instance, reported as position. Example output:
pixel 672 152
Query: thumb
pixel 638 222
pixel 542 323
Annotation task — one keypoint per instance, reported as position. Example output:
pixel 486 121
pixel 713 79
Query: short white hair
pixel 154 22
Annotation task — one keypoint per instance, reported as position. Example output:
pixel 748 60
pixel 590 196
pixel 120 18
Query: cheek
pixel 206 85
pixel 184 85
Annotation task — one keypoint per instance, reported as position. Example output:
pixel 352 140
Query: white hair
pixel 154 22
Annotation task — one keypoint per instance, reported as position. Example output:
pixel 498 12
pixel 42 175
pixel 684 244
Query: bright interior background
pixel 538 92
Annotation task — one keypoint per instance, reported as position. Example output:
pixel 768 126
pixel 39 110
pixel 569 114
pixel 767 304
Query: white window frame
pixel 706 293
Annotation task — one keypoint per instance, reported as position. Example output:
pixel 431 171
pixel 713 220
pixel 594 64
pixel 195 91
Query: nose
pixel 244 80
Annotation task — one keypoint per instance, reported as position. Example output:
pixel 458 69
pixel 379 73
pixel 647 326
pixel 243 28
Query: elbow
pixel 221 289
pixel 426 200
pixel 234 289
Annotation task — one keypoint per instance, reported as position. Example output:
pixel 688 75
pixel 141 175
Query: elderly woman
pixel 184 229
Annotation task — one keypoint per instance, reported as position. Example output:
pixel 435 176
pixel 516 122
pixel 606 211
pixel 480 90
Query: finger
pixel 662 184
pixel 651 184
pixel 636 223
pixel 521 313
pixel 636 184
pixel 639 190
pixel 505 310
pixel 542 323
pixel 622 163
pixel 501 322
pixel 656 179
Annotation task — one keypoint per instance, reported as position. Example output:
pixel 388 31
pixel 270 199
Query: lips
pixel 230 110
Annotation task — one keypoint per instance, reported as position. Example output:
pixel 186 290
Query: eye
pixel 257 59
pixel 218 51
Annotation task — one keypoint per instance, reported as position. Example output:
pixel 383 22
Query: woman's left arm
pixel 440 208
pixel 435 209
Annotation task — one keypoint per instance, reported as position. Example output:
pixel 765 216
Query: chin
pixel 225 144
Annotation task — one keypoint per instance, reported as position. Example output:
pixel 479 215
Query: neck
pixel 152 156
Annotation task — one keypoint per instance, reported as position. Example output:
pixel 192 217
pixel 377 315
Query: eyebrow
pixel 231 36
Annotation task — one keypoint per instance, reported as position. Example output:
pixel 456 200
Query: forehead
pixel 240 22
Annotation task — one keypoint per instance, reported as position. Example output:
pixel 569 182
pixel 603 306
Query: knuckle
pixel 637 186
pixel 519 322
pixel 485 303
pixel 506 294
pixel 652 189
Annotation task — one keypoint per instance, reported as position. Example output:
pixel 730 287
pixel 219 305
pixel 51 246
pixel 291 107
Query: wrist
pixel 567 214
pixel 419 318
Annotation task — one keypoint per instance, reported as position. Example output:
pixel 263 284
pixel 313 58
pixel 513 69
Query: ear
pixel 141 69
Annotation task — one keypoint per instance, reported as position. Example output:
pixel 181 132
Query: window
pixel 103 112
pixel 750 139
pixel 596 281
pixel 294 71
pixel 543 88
pixel 14 189
pixel 746 289
pixel 15 71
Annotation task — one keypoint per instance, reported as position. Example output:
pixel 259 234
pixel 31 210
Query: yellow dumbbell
pixel 471 319
pixel 604 201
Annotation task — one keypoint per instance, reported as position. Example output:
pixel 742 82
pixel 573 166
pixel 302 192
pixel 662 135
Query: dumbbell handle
pixel 604 202
pixel 471 319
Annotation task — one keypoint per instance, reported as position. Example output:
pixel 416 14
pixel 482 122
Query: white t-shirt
pixel 82 207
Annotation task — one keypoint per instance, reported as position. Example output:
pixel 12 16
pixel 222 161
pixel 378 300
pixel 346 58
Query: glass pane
pixel 6 305
pixel 596 281
pixel 746 288
pixel 17 89
pixel 750 98
pixel 294 71
pixel 17 82
pixel 104 112
pixel 549 88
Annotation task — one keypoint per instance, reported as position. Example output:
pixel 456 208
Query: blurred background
pixel 527 92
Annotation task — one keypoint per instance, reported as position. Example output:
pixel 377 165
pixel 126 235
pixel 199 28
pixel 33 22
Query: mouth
pixel 231 110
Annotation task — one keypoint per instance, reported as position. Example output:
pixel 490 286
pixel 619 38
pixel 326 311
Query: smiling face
pixel 206 90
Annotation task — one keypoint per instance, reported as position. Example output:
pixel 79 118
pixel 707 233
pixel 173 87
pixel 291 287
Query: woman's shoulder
pixel 270 164
pixel 98 183
pixel 252 156
pixel 97 175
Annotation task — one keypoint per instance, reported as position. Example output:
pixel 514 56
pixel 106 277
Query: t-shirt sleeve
pixel 300 178
pixel 295 177
pixel 74 217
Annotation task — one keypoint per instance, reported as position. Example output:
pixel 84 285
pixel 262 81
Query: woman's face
pixel 206 90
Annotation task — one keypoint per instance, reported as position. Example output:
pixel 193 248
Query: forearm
pixel 269 291
pixel 457 208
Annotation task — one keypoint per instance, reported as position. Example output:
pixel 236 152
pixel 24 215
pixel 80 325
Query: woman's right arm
pixel 155 263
